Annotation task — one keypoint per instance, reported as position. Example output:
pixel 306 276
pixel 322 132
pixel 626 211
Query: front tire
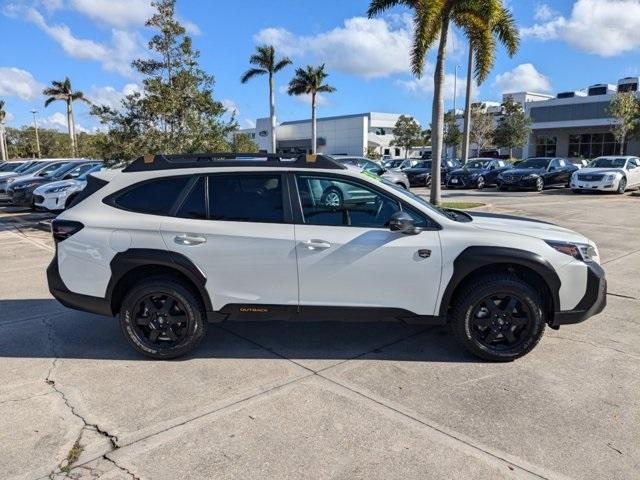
pixel 162 318
pixel 622 186
pixel 539 185
pixel 498 317
pixel 480 183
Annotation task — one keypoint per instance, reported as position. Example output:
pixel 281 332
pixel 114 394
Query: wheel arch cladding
pixel 134 264
pixel 478 261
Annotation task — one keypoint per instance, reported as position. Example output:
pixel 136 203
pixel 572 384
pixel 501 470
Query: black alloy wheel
pixel 160 320
pixel 501 321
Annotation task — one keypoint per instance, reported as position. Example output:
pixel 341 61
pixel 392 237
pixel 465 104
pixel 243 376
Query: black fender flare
pixel 474 258
pixel 123 262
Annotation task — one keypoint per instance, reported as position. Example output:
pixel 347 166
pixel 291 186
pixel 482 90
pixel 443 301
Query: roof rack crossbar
pixel 148 163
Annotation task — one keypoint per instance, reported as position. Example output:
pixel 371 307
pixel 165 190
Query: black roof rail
pixel 149 163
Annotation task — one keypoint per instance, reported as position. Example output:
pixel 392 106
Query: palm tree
pixel 432 19
pixel 266 64
pixel 63 91
pixel 501 25
pixel 3 116
pixel 309 81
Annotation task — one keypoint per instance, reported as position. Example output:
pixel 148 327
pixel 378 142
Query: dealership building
pixel 342 135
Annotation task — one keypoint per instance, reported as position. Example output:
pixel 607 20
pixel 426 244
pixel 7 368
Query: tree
pixel 482 127
pixel 498 23
pixel 242 143
pixel 310 81
pixel 175 112
pixel 266 64
pixel 372 153
pixel 625 111
pixel 62 90
pixel 3 116
pixel 407 134
pixel 53 144
pixel 514 127
pixel 452 133
pixel 432 19
pixel 426 136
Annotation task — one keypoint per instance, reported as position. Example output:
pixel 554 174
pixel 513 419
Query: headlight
pixel 62 188
pixel 580 251
pixel 610 177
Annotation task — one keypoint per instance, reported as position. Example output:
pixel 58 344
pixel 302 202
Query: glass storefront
pixel 546 146
pixel 592 145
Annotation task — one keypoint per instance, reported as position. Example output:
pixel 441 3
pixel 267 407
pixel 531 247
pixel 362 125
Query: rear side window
pixel 246 198
pixel 195 203
pixel 154 197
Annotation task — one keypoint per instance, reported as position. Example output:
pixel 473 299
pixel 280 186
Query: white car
pixel 172 242
pixel 609 174
pixel 56 196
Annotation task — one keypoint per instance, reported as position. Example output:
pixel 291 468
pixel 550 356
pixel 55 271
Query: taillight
pixel 63 229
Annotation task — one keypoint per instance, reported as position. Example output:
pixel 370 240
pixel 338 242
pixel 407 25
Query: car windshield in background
pixel 535 163
pixel 477 164
pixel 97 168
pixel 608 163
pixel 33 168
pixel 426 164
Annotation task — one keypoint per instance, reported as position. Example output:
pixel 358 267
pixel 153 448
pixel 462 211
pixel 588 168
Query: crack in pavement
pixel 23 399
pixel 87 426
pixel 576 340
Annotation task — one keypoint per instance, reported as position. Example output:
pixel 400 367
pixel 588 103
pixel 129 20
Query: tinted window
pixel 330 201
pixel 51 168
pixel 194 206
pixel 246 198
pixel 155 197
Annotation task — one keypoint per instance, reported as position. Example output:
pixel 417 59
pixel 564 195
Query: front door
pixel 348 257
pixel 232 226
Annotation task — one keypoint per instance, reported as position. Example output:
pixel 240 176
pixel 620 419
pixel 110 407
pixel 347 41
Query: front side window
pixel 246 198
pixel 337 202
pixel 155 197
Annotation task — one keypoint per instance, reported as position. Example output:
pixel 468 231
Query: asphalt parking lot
pixel 323 400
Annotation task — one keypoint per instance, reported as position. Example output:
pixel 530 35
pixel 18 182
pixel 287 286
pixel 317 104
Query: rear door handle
pixel 189 239
pixel 315 244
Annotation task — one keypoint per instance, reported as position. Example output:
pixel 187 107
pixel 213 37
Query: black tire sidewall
pixel 192 308
pixel 461 321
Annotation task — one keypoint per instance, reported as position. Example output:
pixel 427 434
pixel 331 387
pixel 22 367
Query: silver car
pixel 369 166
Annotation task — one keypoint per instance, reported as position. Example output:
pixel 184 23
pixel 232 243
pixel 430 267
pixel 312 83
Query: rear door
pixel 348 257
pixel 236 228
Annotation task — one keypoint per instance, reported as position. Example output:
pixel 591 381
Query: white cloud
pixel 109 96
pixel 424 86
pixel 115 13
pixel 602 27
pixel 231 106
pixel 321 100
pixel 544 13
pixel 56 121
pixel 524 77
pixel 15 82
pixel 367 47
pixel 115 57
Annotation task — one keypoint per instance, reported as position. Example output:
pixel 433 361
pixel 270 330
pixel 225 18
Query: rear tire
pixel 498 317
pixel 162 318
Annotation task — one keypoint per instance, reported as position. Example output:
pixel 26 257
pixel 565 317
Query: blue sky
pixel 567 44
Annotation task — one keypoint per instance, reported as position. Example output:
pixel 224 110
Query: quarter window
pixel 246 198
pixel 330 201
pixel 155 197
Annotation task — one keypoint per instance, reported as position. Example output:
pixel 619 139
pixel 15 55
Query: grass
pixel 462 205
pixel 72 457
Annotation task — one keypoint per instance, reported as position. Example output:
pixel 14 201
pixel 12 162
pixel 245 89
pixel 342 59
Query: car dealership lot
pixel 324 400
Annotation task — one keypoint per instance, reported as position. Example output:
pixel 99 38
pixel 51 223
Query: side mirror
pixel 552 169
pixel 404 223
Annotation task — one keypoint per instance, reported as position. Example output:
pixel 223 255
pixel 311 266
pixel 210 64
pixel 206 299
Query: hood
pixel 603 171
pixel 29 179
pixel 467 171
pixel 4 175
pixel 525 226
pixel 394 174
pixel 60 183
pixel 525 171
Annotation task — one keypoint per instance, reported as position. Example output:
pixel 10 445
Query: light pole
pixel 3 144
pixel 455 89
pixel 35 125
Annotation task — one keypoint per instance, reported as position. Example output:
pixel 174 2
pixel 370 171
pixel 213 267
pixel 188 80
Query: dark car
pixel 537 173
pixel 10 166
pixel 21 191
pixel 420 174
pixel 477 173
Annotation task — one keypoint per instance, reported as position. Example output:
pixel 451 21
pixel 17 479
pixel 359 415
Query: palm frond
pixel 282 64
pixel 49 101
pixel 252 72
pixel 376 7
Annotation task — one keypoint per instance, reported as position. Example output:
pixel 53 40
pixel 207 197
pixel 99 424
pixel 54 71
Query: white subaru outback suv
pixel 173 242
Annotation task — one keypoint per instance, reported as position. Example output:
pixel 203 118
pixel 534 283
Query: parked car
pixel 477 173
pixel 393 176
pixel 36 168
pixel 537 173
pixel 57 195
pixel 10 166
pixel 609 174
pixel 420 174
pixel 393 163
pixel 174 241
pixel 21 170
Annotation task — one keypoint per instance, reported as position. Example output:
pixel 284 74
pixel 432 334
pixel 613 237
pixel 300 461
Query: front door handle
pixel 189 239
pixel 315 244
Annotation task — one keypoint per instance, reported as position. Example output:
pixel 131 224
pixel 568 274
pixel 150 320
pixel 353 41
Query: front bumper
pixel 519 183
pixel 419 181
pixel 461 182
pixel 50 201
pixel 600 185
pixel 77 301
pixel 593 302
pixel 21 198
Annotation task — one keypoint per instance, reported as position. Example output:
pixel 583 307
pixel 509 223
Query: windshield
pixel 608 163
pixel 425 164
pixel 535 163
pixel 35 167
pixel 478 164
pixel 97 168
